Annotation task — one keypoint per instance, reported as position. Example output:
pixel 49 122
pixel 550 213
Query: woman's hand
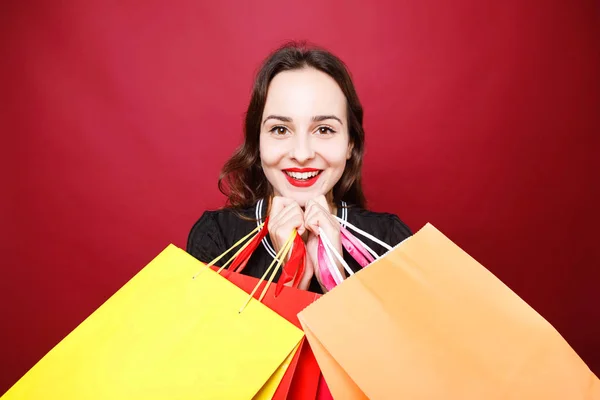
pixel 318 215
pixel 285 216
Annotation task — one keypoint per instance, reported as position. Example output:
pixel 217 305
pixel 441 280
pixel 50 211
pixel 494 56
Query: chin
pixel 301 198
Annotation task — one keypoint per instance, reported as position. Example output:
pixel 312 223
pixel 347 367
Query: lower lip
pixel 302 183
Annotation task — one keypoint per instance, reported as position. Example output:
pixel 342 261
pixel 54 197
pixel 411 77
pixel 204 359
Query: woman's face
pixel 304 141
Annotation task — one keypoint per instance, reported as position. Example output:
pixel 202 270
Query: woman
pixel 300 163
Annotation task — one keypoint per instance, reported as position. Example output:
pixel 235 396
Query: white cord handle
pixel 365 234
pixel 329 247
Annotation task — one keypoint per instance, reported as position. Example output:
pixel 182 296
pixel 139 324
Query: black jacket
pixel 216 231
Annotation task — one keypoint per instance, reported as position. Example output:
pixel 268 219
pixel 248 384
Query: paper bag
pixel 300 380
pixel 164 335
pixel 427 321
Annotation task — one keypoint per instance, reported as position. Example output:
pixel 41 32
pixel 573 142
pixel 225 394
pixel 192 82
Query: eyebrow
pixel 316 118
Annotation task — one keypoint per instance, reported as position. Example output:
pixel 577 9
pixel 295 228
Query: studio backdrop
pixel 480 117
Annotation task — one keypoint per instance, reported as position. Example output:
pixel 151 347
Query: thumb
pixel 301 229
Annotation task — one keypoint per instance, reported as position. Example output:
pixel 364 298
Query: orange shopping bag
pixel 427 321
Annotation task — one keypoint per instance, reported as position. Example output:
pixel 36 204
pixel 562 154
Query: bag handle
pixel 363 254
pixel 294 267
pixel 332 251
pixel 330 276
pixel 356 248
pixel 281 255
pixel 366 235
pixel 214 261
pixel 242 259
pixel 242 255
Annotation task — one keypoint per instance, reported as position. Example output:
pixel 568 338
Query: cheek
pixel 268 154
pixel 335 155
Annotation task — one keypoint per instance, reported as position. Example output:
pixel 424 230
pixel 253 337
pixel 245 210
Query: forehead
pixel 304 93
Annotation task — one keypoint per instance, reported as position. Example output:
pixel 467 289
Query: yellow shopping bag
pixel 164 335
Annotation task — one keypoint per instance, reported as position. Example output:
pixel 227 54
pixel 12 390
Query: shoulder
pixel 225 215
pixel 221 225
pixel 368 216
pixel 385 226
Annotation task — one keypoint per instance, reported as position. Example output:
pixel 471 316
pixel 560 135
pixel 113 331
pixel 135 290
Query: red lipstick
pixel 302 182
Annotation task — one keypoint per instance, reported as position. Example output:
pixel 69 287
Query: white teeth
pixel 302 175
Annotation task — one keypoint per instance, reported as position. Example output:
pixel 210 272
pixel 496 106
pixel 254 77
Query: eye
pixel 325 130
pixel 279 130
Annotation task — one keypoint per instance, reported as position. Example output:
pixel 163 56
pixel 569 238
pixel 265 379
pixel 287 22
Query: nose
pixel 302 149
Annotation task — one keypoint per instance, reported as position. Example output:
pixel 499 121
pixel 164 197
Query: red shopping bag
pixel 302 376
pixel 323 392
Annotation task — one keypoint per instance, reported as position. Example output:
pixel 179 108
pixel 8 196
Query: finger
pixel 318 204
pixel 284 231
pixel 316 216
pixel 314 221
pixel 309 214
pixel 292 208
pixel 307 208
pixel 312 206
pixel 322 201
pixel 292 219
pixel 296 209
pixel 277 212
pixel 283 206
pixel 282 218
pixel 278 203
pixel 317 224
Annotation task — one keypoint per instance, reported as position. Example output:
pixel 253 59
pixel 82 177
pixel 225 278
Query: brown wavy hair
pixel 242 179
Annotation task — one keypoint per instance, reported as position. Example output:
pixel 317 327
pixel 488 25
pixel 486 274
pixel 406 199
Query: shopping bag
pixel 164 335
pixel 323 392
pixel 427 321
pixel 307 376
pixel 302 369
pixel 301 378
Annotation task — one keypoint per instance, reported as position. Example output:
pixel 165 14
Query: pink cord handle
pixel 355 248
pixel 324 266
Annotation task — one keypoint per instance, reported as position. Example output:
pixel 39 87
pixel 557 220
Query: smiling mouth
pixel 302 176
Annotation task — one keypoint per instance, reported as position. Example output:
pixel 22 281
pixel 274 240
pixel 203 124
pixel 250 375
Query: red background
pixel 116 119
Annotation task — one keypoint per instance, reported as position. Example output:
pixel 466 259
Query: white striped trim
pixel 344 213
pixel 259 221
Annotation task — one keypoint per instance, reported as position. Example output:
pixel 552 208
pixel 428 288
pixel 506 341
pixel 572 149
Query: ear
pixel 350 148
